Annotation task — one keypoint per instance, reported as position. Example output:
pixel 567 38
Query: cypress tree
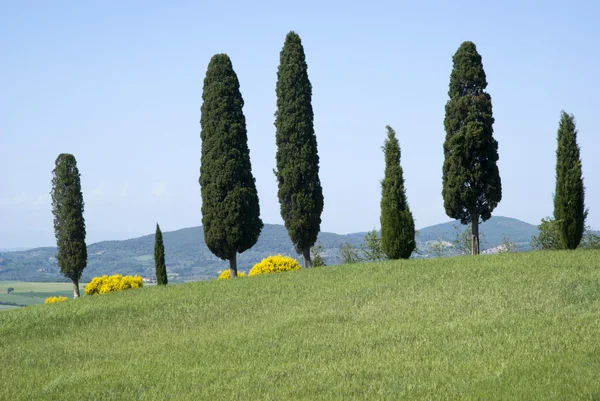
pixel 69 224
pixel 230 206
pixel 159 258
pixel 569 206
pixel 397 223
pixel 471 181
pixel 299 187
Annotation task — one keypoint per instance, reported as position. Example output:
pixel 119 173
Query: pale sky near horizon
pixel 119 85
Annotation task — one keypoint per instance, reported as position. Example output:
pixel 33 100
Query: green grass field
pixel 503 327
pixel 27 293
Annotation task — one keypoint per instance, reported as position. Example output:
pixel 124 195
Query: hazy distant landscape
pixel 188 258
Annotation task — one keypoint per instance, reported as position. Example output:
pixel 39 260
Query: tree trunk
pixel 307 260
pixel 475 235
pixel 233 265
pixel 75 289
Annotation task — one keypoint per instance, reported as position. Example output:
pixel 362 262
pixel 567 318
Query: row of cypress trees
pixel 69 224
pixel 230 206
pixel 471 181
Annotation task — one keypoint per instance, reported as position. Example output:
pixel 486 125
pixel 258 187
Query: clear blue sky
pixel 119 86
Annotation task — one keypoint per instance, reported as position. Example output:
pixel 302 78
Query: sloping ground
pixel 503 327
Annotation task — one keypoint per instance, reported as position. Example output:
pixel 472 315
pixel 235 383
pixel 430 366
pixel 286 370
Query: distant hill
pixel 188 258
pixel 492 232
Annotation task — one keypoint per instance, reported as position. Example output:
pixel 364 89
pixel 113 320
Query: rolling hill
pixel 500 327
pixel 492 232
pixel 188 258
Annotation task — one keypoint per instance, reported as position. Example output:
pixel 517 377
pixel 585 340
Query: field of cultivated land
pixel 503 327
pixel 26 293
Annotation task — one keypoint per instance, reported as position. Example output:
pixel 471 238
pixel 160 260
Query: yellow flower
pixel 117 282
pixel 225 275
pixel 274 264
pixel 50 300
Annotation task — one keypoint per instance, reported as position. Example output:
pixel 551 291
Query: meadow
pixel 32 293
pixel 509 326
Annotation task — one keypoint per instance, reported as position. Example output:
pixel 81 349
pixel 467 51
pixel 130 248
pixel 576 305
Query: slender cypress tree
pixel 230 206
pixel 69 224
pixel 159 258
pixel 300 193
pixel 397 223
pixel 471 181
pixel 569 206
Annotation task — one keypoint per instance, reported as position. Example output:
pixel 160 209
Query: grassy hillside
pixel 188 258
pixel 502 327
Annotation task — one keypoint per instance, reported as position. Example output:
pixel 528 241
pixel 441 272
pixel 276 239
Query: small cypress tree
pixel 230 206
pixel 569 206
pixel 159 258
pixel 69 224
pixel 397 223
pixel 471 181
pixel 299 187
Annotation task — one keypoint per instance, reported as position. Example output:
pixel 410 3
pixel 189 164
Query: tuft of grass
pixel 511 326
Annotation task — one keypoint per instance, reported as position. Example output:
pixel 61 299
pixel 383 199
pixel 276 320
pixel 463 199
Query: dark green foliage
pixel 471 181
pixel 9 290
pixel 397 224
pixel 69 224
pixel 300 193
pixel 159 258
pixel 569 207
pixel 230 206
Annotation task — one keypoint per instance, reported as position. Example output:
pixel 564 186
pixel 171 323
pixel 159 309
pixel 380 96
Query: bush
pixel 105 284
pixel 51 300
pixel 348 254
pixel 316 255
pixel 225 275
pixel 274 264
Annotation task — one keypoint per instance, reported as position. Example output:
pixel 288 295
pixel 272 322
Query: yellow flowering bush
pixel 117 282
pixel 225 275
pixel 274 264
pixel 51 300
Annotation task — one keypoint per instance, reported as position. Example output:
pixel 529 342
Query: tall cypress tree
pixel 397 223
pixel 69 224
pixel 300 193
pixel 471 181
pixel 230 206
pixel 569 206
pixel 159 258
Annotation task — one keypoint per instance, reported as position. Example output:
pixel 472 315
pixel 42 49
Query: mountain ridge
pixel 188 258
